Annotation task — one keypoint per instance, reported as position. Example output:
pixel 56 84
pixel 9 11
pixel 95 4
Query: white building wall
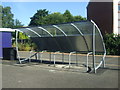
pixel 119 19
pixel 118 24
pixel 119 15
pixel 115 16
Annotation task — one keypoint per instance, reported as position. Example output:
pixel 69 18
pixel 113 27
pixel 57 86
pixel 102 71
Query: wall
pixel 1 45
pixel 5 42
pixel 119 18
pixel 102 14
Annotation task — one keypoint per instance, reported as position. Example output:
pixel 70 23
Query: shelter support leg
pixel 93 47
pixel 104 60
pixel 17 46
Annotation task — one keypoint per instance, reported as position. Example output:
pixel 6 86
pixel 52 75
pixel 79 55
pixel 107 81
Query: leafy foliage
pixel 112 43
pixel 22 36
pixel 26 46
pixel 7 21
pixel 7 18
pixel 38 18
pixel 54 18
pixel 42 17
pixel 68 16
pixel 78 18
pixel 17 24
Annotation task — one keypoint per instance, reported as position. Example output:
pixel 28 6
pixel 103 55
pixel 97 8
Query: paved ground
pixel 37 75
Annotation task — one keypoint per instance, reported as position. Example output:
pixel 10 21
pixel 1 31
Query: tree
pixel 0 16
pixel 54 18
pixel 38 17
pixel 42 17
pixel 7 17
pixel 68 16
pixel 79 18
pixel 17 24
pixel 7 20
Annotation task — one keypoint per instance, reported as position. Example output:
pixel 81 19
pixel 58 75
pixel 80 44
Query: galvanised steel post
pixel 93 46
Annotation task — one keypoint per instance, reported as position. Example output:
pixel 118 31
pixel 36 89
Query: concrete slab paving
pixel 37 75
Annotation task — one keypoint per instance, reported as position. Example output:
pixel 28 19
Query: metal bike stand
pixel 41 55
pixel 87 60
pixel 76 60
pixel 70 58
pixel 63 58
pixel 54 57
pixel 50 57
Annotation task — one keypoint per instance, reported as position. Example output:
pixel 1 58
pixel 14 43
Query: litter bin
pixel 9 53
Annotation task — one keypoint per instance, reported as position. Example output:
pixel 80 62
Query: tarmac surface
pixel 44 75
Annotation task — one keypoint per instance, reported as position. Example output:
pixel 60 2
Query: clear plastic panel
pixel 54 31
pixel 98 42
pixel 69 29
pixel 72 42
pixel 28 32
pixel 46 43
pixel 85 27
pixel 40 31
pixel 88 39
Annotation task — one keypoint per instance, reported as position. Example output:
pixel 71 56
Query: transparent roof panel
pixel 28 32
pixel 98 41
pixel 79 36
pixel 76 28
pixel 53 30
pixel 68 29
pixel 85 27
pixel 40 31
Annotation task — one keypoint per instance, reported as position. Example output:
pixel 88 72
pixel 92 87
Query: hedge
pixel 112 43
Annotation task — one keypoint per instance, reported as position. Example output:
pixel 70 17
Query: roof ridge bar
pixel 77 28
pixel 33 32
pixel 60 29
pixel 46 31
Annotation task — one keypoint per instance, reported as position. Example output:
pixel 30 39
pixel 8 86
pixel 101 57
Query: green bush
pixel 112 43
pixel 26 46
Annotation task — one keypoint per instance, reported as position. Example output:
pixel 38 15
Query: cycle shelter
pixel 76 37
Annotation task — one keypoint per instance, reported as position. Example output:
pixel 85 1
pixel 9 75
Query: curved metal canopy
pixel 76 36
pixel 83 36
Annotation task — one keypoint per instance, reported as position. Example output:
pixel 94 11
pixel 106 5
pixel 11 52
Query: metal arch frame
pixel 17 30
pixel 60 29
pixel 103 59
pixel 63 33
pixel 17 44
pixel 34 32
pixel 77 28
pixel 81 34
pixel 46 31
pixel 103 44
